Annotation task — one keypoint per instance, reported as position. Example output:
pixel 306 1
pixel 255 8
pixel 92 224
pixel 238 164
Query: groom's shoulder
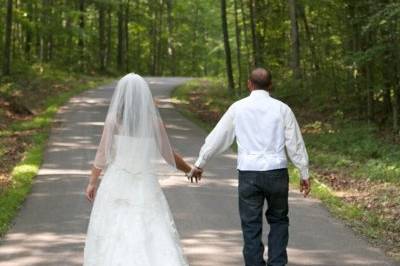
pixel 246 101
pixel 239 103
pixel 279 102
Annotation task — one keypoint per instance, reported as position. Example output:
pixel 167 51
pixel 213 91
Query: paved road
pixel 50 228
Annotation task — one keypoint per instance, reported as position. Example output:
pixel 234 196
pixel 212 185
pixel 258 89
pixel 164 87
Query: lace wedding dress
pixel 131 223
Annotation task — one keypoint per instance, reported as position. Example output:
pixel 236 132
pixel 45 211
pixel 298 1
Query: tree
pixel 121 42
pixel 102 32
pixel 171 47
pixel 310 42
pixel 28 41
pixel 81 43
pixel 7 39
pixel 255 41
pixel 238 46
pixel 229 72
pixel 295 61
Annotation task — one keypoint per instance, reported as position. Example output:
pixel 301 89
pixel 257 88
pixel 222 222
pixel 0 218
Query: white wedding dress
pixel 131 223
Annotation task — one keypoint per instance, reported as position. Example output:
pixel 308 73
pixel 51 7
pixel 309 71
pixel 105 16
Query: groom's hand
pixel 305 187
pixel 195 173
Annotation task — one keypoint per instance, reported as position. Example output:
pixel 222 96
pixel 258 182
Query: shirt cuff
pixel 200 162
pixel 304 173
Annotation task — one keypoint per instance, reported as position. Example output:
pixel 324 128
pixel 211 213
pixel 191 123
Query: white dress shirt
pixel 264 128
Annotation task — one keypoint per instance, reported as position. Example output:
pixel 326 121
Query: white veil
pixel 134 137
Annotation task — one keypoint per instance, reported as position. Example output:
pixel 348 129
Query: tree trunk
pixel 255 43
pixel 7 39
pixel 50 39
pixel 28 40
pixel 102 46
pixel 193 55
pixel 68 60
pixel 120 45
pixel 309 37
pixel 295 61
pixel 228 59
pixel 246 39
pixel 81 43
pixel 109 35
pixel 171 47
pixel 238 47
pixel 159 38
pixel 44 55
pixel 126 37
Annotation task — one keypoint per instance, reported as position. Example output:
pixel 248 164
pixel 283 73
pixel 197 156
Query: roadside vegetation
pixel 355 166
pixel 29 100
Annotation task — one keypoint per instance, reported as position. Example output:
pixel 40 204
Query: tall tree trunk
pixel 255 41
pixel 395 57
pixel 44 55
pixel 109 35
pixel 229 72
pixel 28 38
pixel 37 31
pixel 102 45
pixel 171 47
pixel 309 37
pixel 246 38
pixel 50 40
pixel 81 43
pixel 7 39
pixel 238 47
pixel 193 55
pixel 159 38
pixel 126 37
pixel 137 58
pixel 121 41
pixel 153 68
pixel 69 42
pixel 295 61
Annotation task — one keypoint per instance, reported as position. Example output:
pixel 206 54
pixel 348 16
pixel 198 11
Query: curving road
pixel 50 228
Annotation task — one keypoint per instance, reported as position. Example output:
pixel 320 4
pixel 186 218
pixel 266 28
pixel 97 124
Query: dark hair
pixel 261 78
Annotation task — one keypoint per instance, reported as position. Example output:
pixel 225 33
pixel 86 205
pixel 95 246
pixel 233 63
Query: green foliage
pixel 356 146
pixel 153 37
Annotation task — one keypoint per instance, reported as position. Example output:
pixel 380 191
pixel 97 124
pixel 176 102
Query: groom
pixel 264 128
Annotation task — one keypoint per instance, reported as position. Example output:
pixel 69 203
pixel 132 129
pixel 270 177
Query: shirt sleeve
pixel 219 139
pixel 294 143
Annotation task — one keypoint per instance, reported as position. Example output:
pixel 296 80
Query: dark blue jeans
pixel 254 188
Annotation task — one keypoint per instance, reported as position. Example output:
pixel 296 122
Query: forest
pixel 343 51
pixel 337 62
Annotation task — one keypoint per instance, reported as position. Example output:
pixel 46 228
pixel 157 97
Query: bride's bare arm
pixel 181 164
pixel 92 185
pixel 178 160
pixel 98 163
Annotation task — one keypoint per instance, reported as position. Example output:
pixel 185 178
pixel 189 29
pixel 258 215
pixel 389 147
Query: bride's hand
pixel 91 191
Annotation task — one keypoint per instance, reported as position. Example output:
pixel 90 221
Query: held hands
pixel 195 172
pixel 305 187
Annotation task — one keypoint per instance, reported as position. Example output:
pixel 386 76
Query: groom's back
pixel 260 131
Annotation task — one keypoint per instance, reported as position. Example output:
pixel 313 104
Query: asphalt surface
pixel 51 226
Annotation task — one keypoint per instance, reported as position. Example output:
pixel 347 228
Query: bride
pixel 130 222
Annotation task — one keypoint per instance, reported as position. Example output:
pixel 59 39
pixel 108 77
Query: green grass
pixel 24 172
pixel 22 176
pixel 352 149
